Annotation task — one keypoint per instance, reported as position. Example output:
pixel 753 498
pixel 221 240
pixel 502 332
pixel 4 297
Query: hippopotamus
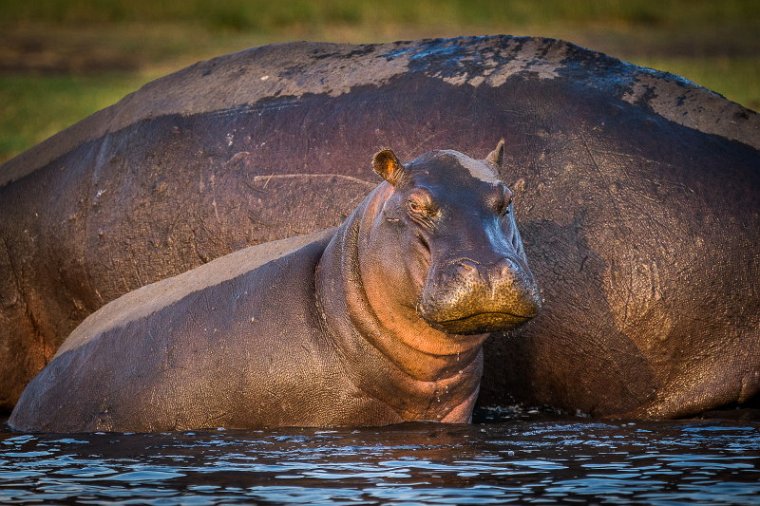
pixel 380 321
pixel 638 192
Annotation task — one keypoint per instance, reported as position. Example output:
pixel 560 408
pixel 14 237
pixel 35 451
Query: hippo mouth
pixel 479 323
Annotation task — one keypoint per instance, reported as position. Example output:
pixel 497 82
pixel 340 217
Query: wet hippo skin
pixel 380 321
pixel 637 195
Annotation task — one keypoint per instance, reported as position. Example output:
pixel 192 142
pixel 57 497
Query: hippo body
pixel 307 331
pixel 638 194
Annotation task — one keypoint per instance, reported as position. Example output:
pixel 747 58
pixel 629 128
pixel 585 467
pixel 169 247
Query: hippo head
pixel 455 224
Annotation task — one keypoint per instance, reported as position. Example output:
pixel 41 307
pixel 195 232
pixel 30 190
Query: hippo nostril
pixel 506 268
pixel 465 267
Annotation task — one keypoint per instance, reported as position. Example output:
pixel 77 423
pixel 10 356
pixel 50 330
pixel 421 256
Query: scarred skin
pixel 380 321
pixel 638 194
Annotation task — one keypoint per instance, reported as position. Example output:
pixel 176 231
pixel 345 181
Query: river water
pixel 544 460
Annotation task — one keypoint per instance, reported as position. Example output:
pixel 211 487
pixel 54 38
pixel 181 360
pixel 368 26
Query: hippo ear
pixel 496 156
pixel 387 166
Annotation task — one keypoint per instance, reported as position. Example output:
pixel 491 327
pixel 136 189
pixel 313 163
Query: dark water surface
pixel 562 461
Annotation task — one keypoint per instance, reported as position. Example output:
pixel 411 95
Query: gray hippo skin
pixel 638 193
pixel 316 331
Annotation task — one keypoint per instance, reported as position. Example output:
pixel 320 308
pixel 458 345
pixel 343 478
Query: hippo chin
pixel 379 321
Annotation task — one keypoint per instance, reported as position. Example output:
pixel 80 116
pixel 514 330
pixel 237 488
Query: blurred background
pixel 61 60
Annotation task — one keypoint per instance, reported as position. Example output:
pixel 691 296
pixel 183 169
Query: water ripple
pixel 492 463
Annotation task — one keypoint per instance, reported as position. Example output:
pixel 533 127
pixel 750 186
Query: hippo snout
pixel 465 296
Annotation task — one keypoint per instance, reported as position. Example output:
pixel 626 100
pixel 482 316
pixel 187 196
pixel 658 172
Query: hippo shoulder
pixel 157 296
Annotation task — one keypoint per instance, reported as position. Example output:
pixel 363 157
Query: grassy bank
pixel 62 60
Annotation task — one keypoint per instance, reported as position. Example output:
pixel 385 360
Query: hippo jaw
pixel 479 323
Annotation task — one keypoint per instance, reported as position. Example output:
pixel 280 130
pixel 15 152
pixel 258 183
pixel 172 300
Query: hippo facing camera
pixel 379 321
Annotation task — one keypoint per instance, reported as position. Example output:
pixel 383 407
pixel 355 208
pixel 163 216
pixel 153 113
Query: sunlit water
pixel 565 461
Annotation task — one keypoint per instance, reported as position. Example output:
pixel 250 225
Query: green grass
pixel 34 108
pixel 271 16
pixel 61 60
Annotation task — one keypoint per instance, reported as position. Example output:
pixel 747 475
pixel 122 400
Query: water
pixel 557 461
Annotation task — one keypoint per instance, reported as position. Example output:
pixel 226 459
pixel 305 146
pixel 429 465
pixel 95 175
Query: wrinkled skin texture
pixel 637 193
pixel 333 332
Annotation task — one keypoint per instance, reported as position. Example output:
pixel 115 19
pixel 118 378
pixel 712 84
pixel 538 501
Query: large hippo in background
pixel 637 192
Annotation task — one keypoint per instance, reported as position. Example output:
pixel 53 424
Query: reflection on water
pixel 566 461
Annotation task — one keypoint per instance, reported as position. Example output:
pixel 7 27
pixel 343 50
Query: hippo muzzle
pixel 467 296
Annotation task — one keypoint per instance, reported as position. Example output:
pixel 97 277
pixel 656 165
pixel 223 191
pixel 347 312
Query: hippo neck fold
pixel 384 359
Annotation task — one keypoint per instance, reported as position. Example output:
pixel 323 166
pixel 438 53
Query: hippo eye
pixel 421 209
pixel 416 206
pixel 503 202
pixel 421 204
